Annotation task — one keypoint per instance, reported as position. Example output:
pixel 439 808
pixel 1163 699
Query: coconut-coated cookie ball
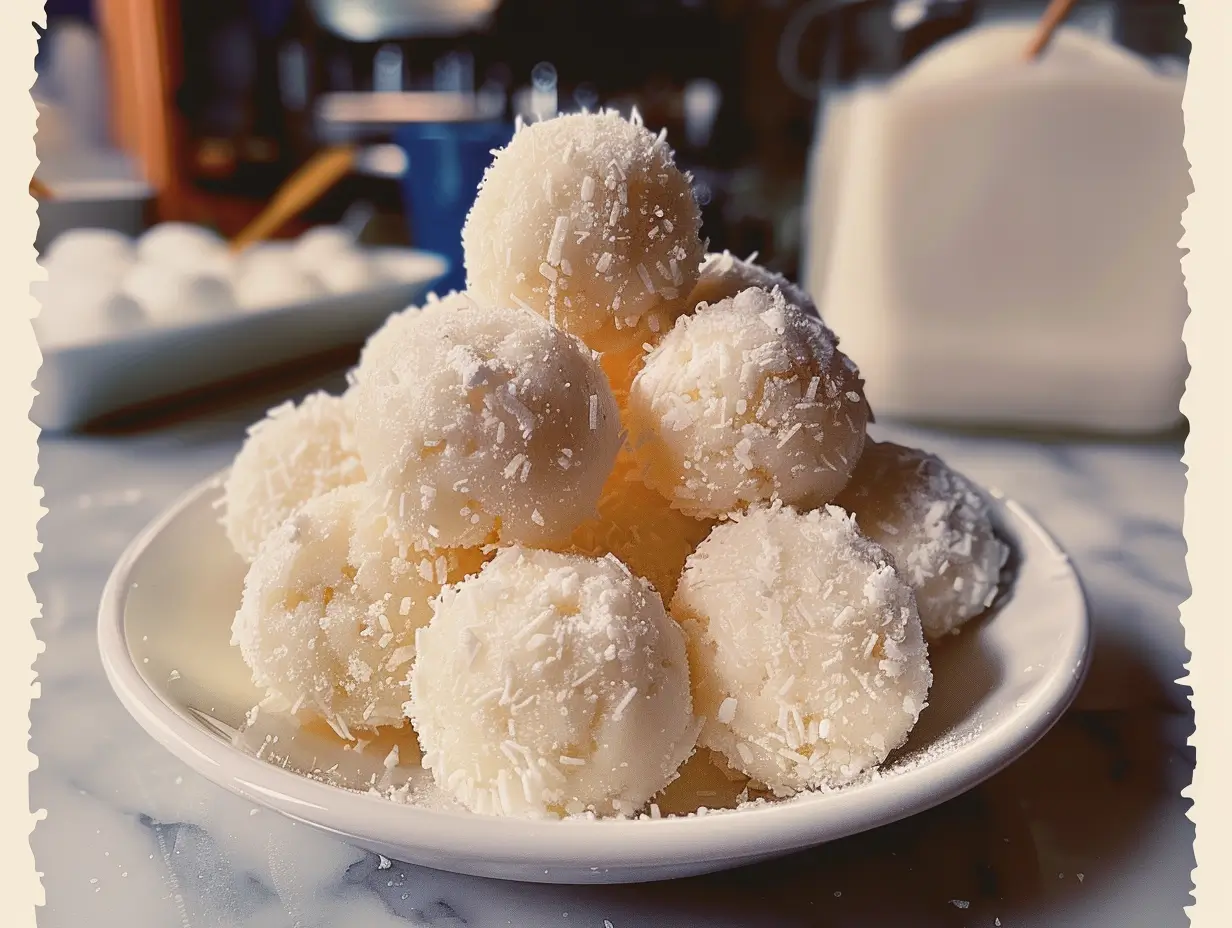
pixel 170 296
pixel 266 276
pixel 96 253
pixel 723 275
pixel 296 453
pixel 383 345
pixel 478 425
pixel 807 655
pixel 747 400
pixel 549 685
pixel 330 609
pixel 190 249
pixel 637 525
pixel 586 220
pixel 938 527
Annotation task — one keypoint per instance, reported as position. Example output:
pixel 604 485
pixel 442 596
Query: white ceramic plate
pixel 164 632
pixel 82 382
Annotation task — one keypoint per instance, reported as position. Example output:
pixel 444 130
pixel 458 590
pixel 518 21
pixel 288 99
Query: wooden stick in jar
pixel 1053 16
pixel 40 190
pixel 300 191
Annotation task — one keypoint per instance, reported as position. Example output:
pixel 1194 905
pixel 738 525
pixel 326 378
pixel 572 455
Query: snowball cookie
pixel 329 254
pixel 268 276
pixel 938 527
pixel 171 296
pixel 80 308
pixel 587 220
pixel 100 253
pixel 329 613
pixel 724 275
pixel 185 247
pixel 747 399
pixel 478 425
pixel 637 525
pixel 549 685
pixel 294 454
pixel 321 244
pixel 383 345
pixel 808 660
pixel 349 272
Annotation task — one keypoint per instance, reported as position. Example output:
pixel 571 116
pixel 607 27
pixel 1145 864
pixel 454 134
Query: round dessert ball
pixel 383 345
pixel 190 249
pixel 549 685
pixel 268 275
pixel 172 296
pixel 638 526
pixel 348 272
pixel 320 245
pixel 723 275
pixel 586 220
pixel 98 252
pixel 296 453
pixel 79 308
pixel 478 426
pixel 329 612
pixel 807 656
pixel 937 526
pixel 747 400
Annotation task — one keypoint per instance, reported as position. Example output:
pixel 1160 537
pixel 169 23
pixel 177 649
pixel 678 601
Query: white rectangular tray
pixel 81 383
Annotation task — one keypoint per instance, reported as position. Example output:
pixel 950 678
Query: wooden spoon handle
pixel 1053 16
pixel 301 189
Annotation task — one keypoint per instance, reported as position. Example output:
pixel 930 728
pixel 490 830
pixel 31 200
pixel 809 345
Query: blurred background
pixel 994 239
pixel 985 207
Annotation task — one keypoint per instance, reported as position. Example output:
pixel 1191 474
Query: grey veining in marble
pixel 1088 829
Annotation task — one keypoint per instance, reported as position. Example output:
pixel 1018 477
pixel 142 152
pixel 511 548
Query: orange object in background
pixel 144 66
pixel 143 43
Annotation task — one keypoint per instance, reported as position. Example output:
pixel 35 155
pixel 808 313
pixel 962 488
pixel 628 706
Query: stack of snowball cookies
pixel 612 504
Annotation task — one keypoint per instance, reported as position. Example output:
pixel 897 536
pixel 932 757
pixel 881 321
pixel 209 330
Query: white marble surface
pixel 1088 829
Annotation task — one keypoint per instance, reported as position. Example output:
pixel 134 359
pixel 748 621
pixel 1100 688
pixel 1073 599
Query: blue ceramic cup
pixel 445 162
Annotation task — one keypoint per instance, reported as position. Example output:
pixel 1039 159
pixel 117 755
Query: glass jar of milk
pixel 995 240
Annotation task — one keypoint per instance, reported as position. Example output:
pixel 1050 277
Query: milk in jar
pixel 1003 244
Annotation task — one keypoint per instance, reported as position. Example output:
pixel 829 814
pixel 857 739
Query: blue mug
pixel 445 163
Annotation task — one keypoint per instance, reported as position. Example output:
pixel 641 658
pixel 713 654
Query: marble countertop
pixel 1088 829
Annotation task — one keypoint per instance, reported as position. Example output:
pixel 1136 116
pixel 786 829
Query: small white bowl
pixel 164 636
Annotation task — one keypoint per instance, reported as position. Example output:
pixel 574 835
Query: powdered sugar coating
pixel 329 612
pixel 550 685
pixel 478 426
pixel 806 650
pixel 586 219
pixel 296 453
pixel 747 400
pixel 637 525
pixel 723 275
pixel 937 526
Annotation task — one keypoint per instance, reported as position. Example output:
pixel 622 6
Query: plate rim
pixel 769 830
